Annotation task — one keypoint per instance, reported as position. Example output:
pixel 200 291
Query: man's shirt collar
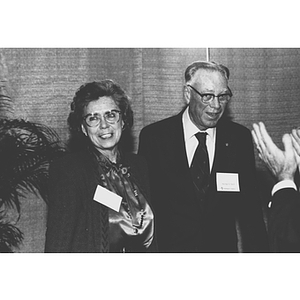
pixel 190 129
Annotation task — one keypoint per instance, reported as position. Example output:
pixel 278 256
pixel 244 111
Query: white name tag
pixel 228 182
pixel 107 198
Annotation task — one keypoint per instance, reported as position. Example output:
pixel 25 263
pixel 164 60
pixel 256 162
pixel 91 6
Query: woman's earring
pixel 83 130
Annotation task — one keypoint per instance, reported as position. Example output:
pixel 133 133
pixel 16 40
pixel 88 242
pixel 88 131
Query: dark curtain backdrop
pixel 42 82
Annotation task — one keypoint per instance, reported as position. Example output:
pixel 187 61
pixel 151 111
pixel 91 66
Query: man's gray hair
pixel 205 65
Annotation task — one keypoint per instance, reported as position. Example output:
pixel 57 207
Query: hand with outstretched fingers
pixel 296 144
pixel 282 164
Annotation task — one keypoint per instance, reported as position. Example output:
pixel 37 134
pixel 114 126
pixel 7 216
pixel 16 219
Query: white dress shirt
pixel 191 142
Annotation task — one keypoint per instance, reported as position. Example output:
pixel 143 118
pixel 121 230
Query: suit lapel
pixel 175 147
pixel 175 158
pixel 225 151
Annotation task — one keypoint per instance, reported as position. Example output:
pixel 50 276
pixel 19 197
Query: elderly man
pixel 284 218
pixel 202 172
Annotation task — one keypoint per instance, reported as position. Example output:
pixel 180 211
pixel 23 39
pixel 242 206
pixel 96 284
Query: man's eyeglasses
pixel 111 117
pixel 208 97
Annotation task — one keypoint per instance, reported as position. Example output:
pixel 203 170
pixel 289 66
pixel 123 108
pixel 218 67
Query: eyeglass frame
pixel 104 116
pixel 211 94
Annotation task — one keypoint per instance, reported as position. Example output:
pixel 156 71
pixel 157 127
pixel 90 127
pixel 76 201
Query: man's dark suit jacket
pixel 284 221
pixel 183 224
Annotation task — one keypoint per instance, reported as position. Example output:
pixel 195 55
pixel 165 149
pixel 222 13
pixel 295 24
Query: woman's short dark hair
pixel 93 91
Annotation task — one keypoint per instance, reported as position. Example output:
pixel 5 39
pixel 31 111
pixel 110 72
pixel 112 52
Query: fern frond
pixel 26 149
pixel 10 236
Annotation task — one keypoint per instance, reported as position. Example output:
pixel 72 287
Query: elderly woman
pixel 98 195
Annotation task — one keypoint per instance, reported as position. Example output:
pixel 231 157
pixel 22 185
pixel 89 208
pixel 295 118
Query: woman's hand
pixel 282 164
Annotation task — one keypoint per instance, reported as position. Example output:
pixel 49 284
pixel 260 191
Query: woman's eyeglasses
pixel 111 117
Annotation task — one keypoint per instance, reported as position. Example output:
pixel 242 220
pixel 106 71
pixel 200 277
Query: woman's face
pixel 105 136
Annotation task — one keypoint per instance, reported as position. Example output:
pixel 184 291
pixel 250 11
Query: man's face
pixel 206 115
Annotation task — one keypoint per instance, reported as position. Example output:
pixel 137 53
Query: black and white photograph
pixel 154 168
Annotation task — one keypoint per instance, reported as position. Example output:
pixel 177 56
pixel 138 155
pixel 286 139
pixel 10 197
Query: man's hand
pixel 296 144
pixel 282 164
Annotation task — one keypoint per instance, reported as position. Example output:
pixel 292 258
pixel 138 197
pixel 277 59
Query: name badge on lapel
pixel 107 198
pixel 228 182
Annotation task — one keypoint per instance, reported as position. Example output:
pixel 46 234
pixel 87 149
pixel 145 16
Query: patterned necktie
pixel 200 166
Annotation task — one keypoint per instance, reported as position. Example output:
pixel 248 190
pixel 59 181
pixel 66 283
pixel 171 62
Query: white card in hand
pixel 107 198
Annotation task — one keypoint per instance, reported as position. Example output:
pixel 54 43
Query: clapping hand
pixel 296 144
pixel 282 164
